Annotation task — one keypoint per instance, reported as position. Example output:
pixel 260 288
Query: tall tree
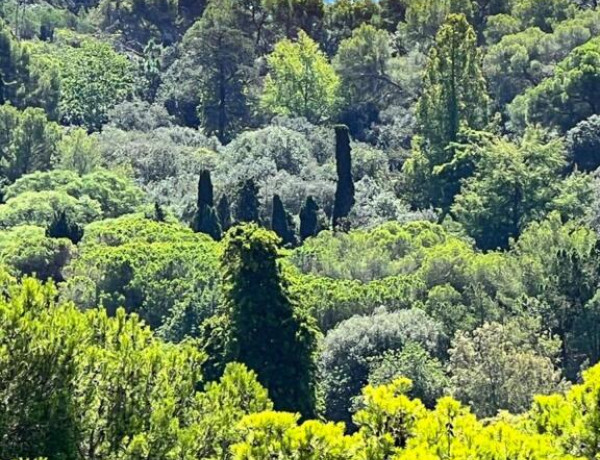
pixel 282 223
pixel 206 219
pixel 309 223
pixel 268 331
pixel 344 193
pixel 225 53
pixel 224 213
pixel 454 97
pixel 246 209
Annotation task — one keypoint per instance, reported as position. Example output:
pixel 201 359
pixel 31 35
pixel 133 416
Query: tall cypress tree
pixel 267 331
pixel 344 193
pixel 309 224
pixel 246 209
pixel 282 223
pixel 205 219
pixel 224 213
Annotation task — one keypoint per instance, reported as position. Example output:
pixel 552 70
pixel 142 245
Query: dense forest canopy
pixel 299 229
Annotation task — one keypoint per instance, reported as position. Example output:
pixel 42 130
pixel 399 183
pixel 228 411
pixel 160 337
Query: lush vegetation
pixel 299 229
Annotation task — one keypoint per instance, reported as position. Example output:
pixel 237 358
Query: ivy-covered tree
pixel 268 330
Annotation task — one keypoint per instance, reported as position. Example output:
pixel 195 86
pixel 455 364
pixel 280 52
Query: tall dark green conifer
pixel 246 209
pixel 267 330
pixel 309 224
pixel 224 213
pixel 205 219
pixel 344 193
pixel 282 223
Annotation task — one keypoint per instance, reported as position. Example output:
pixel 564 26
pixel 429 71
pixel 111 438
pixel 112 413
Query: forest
pixel 299 230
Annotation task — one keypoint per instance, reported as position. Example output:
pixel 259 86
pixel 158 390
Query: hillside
pixel 299 229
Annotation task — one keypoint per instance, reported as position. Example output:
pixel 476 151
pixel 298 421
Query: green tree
pixel 454 97
pixel 225 53
pixel 309 222
pixel 206 219
pixel 344 193
pixel 224 213
pixel 282 223
pixel 246 206
pixel 512 186
pixel 301 82
pixel 268 330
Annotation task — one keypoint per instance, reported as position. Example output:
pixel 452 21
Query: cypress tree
pixel 267 330
pixel 205 189
pixel 246 209
pixel 309 224
pixel 62 227
pixel 206 220
pixel 224 213
pixel 159 213
pixel 282 223
pixel 344 193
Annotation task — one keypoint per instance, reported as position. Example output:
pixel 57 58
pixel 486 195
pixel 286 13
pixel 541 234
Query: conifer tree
pixel 309 224
pixel 282 223
pixel 246 209
pixel 205 219
pixel 159 213
pixel 344 193
pixel 62 227
pixel 224 213
pixel 268 332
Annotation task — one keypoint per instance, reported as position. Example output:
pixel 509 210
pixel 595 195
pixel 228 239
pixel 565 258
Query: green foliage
pixel 454 97
pixel 300 82
pixel 62 227
pixel 268 331
pixel 511 187
pixel 93 78
pixel 28 141
pixel 567 97
pixel 344 192
pixel 162 271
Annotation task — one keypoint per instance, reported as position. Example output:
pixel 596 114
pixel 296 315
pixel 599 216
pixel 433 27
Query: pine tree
pixel 454 97
pixel 344 193
pixel 309 224
pixel 267 330
pixel 206 220
pixel 246 209
pixel 282 223
pixel 224 213
pixel 62 227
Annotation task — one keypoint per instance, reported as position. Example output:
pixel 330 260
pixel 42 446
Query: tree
pixel 246 207
pixel 363 64
pixel 206 219
pixel 282 223
pixel 512 186
pixel 301 82
pixel 268 331
pixel 62 227
pixel 502 367
pixel 583 144
pixel 309 222
pixel 224 213
pixel 224 52
pixel 344 193
pixel 454 97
